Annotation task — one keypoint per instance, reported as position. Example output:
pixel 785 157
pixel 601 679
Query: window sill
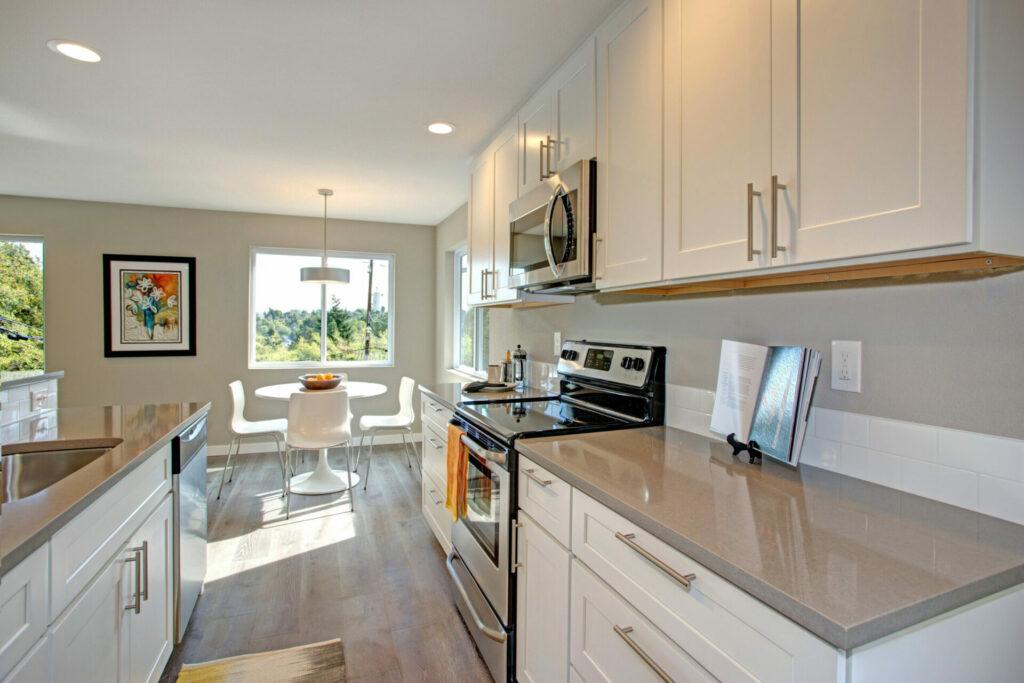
pixel 315 365
pixel 470 375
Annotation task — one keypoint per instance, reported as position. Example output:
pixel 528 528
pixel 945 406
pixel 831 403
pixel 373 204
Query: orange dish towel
pixel 458 471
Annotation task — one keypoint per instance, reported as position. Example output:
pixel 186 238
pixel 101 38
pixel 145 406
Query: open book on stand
pixel 764 396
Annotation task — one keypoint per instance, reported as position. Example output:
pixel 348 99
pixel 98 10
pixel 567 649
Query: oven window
pixel 483 506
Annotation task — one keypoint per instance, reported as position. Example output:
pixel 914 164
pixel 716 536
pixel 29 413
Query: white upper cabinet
pixel 505 189
pixel 575 108
pixel 870 128
pixel 630 81
pixel 481 226
pixel 717 135
pixel 536 135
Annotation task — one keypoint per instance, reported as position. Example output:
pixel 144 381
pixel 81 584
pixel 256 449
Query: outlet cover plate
pixel 846 366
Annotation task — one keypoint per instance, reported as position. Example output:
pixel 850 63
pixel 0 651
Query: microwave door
pixel 549 246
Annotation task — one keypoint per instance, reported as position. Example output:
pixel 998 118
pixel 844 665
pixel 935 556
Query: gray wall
pixel 76 235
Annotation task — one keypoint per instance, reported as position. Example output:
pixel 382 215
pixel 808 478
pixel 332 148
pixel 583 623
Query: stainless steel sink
pixel 31 471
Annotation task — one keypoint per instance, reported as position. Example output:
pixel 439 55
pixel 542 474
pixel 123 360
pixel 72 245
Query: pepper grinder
pixel 519 368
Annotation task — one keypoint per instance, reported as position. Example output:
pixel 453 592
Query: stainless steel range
pixel 603 386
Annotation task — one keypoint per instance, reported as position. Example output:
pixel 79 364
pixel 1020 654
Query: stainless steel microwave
pixel 552 228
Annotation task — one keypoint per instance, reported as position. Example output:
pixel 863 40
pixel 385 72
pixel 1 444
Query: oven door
pixel 481 535
pixel 550 231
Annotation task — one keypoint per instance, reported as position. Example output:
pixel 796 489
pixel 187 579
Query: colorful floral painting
pixel 149 305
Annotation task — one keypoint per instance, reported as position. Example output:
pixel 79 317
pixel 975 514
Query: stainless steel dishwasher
pixel 188 466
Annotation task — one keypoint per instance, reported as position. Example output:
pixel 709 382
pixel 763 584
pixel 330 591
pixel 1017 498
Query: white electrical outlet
pixel 558 344
pixel 846 366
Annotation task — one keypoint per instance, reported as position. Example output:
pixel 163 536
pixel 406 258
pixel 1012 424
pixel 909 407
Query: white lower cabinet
pixel 151 630
pixel 88 640
pixel 542 608
pixel 438 518
pixel 24 594
pixel 35 667
pixel 611 641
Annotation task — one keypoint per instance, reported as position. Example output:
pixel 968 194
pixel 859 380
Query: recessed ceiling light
pixel 74 50
pixel 440 128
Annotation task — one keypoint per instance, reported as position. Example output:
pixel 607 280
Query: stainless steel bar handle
pixel 623 632
pixel 751 193
pixel 436 408
pixel 136 558
pixel 515 564
pixel 540 156
pixel 435 444
pixel 530 473
pixel 436 501
pixel 493 456
pixel 685 580
pixel 145 571
pixel 597 240
pixel 548 147
pixel 495 635
pixel 483 292
pixel 776 186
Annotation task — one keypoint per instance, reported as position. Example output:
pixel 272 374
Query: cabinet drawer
pixel 731 634
pixel 35 667
pixel 24 612
pixel 435 456
pixel 436 414
pixel 611 641
pixel 86 544
pixel 546 498
pixel 438 518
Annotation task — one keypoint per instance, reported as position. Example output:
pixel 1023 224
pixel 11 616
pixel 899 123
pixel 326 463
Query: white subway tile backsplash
pixel 946 484
pixel 992 455
pixel 821 453
pixel 835 425
pixel 869 465
pixel 907 439
pixel 1001 498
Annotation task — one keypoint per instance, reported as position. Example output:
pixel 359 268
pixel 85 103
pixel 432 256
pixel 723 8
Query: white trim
pixel 392 259
pixel 250 447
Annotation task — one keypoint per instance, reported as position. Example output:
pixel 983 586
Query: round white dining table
pixel 322 480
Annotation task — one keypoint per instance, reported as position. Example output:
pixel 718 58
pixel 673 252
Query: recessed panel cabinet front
pixel 630 82
pixel 717 135
pixel 481 227
pixel 542 612
pixel 870 131
pixel 151 631
pixel 504 194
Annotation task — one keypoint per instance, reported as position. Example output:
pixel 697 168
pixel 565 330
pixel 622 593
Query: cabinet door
pixel 629 145
pixel 717 135
pixel 481 227
pixel 35 667
pixel 90 642
pixel 574 107
pixel 151 631
pixel 505 189
pixel 542 611
pixel 536 126
pixel 870 131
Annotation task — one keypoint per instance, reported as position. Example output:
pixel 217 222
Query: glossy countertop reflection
pixel 138 430
pixel 848 560
pixel 451 394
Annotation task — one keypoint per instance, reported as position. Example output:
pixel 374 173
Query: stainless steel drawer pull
pixel 145 571
pixel 682 579
pixel 541 155
pixel 536 479
pixel 776 186
pixel 136 559
pixel 435 444
pixel 624 632
pixel 436 408
pixel 751 193
pixel 433 498
pixel 547 152
pixel 497 635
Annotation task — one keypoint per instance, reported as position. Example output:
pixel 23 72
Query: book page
pixel 777 412
pixel 740 369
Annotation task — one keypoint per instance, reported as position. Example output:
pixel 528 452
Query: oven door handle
pixel 494 456
pixel 556 196
pixel 495 635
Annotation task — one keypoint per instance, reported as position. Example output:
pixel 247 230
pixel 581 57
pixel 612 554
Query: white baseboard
pixel 250 446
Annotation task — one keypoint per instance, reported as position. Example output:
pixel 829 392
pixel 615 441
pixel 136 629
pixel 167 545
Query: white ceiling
pixel 251 105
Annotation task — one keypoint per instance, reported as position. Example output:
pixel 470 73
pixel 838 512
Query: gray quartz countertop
pixel 848 560
pixel 451 394
pixel 10 380
pixel 135 431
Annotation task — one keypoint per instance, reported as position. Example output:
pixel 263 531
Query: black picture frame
pixel 109 333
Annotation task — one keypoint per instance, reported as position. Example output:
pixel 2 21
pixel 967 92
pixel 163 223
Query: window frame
pixel 41 241
pixel 456 350
pixel 254 364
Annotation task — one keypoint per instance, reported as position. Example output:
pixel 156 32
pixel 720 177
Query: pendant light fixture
pixel 322 275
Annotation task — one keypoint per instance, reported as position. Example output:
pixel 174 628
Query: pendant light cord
pixel 325 230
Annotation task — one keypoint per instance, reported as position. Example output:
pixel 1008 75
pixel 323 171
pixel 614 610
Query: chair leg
pixel 406 447
pixel 369 459
pixel 348 474
pixel 284 466
pixel 224 471
pixel 238 451
pixel 287 483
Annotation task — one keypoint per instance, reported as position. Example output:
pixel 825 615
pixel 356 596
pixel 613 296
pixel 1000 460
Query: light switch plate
pixel 846 366
pixel 558 344
pixel 38 399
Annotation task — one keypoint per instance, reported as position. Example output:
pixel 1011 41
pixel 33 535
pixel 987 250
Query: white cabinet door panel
pixel 24 608
pixel 574 107
pixel 536 125
pixel 542 613
pixel 870 126
pixel 151 631
pixel 481 227
pixel 505 189
pixel 35 667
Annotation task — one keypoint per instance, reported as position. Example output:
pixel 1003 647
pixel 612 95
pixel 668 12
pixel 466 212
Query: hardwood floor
pixel 374 578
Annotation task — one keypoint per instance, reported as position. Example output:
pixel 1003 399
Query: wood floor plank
pixel 374 578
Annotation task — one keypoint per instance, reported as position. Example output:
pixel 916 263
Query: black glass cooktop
pixel 533 417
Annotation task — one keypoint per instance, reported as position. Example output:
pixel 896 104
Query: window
pixel 21 304
pixel 471 324
pixel 299 324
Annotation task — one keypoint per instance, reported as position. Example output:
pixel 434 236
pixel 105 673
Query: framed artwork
pixel 149 305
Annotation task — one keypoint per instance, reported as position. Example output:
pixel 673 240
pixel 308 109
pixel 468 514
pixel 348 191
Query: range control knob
pixel 627 363
pixel 638 363
pixel 573 355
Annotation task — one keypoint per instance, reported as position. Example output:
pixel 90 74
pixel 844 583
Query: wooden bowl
pixel 313 384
